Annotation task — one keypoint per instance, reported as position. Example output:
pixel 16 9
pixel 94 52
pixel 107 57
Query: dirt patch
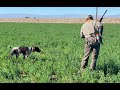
pixel 54 20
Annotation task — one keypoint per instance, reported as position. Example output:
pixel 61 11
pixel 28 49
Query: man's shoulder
pixel 98 23
pixel 83 24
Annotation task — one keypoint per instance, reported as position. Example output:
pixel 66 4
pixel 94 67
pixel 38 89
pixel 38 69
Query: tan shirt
pixel 90 27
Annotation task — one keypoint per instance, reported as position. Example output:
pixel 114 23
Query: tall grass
pixel 62 51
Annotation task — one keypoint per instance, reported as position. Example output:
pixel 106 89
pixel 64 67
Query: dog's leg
pixel 24 56
pixel 17 55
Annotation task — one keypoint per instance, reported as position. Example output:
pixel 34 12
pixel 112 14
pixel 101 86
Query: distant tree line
pixel 29 17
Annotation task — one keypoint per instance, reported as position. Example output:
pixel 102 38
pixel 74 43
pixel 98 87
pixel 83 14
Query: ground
pixel 58 20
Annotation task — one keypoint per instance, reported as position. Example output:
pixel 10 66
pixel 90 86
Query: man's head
pixel 89 17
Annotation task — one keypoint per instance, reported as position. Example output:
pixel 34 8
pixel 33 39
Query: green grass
pixel 62 51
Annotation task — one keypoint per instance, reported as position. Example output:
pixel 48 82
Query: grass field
pixel 62 51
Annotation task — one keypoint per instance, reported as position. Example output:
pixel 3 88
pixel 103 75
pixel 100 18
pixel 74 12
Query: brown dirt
pixel 58 20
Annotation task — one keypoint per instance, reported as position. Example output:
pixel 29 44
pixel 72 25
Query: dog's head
pixel 36 49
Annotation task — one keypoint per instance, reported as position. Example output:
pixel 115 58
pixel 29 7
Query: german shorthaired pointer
pixel 25 51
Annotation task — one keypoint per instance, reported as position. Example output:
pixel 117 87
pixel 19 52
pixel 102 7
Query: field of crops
pixel 62 51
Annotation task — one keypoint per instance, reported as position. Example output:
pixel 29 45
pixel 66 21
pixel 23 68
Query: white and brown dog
pixel 25 51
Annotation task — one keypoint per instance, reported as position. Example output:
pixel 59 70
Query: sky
pixel 59 10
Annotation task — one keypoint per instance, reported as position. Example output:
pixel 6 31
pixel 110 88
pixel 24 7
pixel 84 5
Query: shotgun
pixel 102 16
pixel 101 30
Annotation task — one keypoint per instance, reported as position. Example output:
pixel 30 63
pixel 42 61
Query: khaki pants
pixel 94 49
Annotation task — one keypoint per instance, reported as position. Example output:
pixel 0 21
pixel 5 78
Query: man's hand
pixel 82 35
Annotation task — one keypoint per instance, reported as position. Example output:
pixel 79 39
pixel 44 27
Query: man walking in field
pixel 91 30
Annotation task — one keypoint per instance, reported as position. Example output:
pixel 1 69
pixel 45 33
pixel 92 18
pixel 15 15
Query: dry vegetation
pixel 58 20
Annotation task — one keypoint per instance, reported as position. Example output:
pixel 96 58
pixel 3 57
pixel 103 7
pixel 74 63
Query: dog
pixel 25 51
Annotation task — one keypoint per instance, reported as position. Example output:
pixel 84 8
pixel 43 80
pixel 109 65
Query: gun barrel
pixel 102 16
pixel 104 13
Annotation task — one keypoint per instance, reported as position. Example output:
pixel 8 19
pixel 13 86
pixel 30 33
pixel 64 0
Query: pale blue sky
pixel 59 10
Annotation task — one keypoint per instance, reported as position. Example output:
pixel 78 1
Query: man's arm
pixel 100 29
pixel 81 33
